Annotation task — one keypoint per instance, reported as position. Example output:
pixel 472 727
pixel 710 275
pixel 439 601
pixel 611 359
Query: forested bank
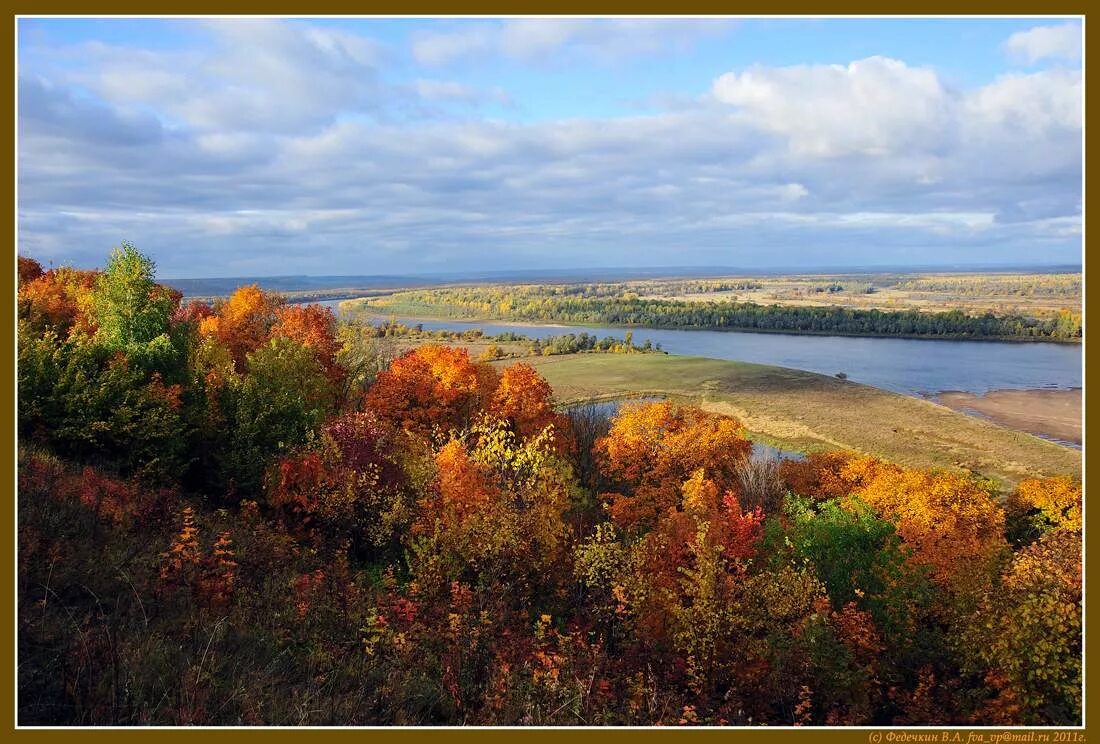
pixel 574 304
pixel 522 345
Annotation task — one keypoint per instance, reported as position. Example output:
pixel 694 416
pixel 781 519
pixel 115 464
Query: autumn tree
pixel 193 313
pixel 243 322
pixel 652 448
pixel 346 482
pixel 59 300
pixel 314 327
pixel 950 522
pixel 819 475
pixel 1039 505
pixel 525 400
pixel 432 387
pixel 496 508
pixel 28 270
pixel 1025 636
pixel 674 591
pixel 180 563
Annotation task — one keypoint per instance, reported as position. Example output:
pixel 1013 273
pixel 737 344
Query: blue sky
pixel 326 146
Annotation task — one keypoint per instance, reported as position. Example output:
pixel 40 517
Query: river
pixel 909 366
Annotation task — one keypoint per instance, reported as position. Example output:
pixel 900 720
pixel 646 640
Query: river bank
pixel 807 412
pixel 424 313
pixel 1053 414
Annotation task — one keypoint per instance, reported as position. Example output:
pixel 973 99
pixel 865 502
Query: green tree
pixel 274 408
pixel 859 557
pixel 132 311
pixel 93 404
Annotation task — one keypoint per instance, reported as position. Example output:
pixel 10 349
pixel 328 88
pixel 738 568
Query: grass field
pixel 810 412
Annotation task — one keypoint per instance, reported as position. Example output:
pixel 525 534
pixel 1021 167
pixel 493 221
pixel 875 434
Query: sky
pixel 275 146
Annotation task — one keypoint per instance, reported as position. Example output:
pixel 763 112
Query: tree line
pixel 565 343
pixel 532 303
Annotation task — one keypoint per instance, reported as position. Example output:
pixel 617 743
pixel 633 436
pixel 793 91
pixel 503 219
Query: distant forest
pixel 568 304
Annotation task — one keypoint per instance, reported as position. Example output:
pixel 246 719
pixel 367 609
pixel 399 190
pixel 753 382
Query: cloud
pixel 1046 42
pixel 872 106
pixel 443 48
pixel 793 191
pixel 53 111
pixel 1044 101
pixel 267 76
pixel 563 39
pixel 449 90
pixel 875 161
pixel 255 75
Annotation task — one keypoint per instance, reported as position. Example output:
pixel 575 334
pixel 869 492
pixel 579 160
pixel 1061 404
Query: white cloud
pixel 1046 42
pixel 921 129
pixel 793 191
pixel 1036 103
pixel 259 75
pixel 865 161
pixel 872 106
pixel 449 90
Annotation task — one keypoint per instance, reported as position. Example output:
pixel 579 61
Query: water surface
pixel 918 367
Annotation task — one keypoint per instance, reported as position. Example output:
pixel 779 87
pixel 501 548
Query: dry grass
pixel 810 412
pixel 978 297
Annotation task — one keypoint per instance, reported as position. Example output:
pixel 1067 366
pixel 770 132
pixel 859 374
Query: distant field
pixel 810 412
pixel 1026 294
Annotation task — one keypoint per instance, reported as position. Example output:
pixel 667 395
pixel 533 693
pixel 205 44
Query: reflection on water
pixel 762 451
pixel 910 366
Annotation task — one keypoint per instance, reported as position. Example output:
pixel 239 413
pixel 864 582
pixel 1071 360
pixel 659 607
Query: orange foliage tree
pixel 525 400
pixel 59 300
pixel 953 524
pixel 497 504
pixel 819 475
pixel 244 321
pixel 181 560
pixel 652 448
pixel 431 387
pixel 678 586
pixel 314 327
pixel 1025 636
pixel 1039 505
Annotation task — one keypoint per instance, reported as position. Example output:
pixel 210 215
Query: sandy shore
pixel 1048 413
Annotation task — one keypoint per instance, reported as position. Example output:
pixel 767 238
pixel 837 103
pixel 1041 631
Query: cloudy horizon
pixel 260 147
